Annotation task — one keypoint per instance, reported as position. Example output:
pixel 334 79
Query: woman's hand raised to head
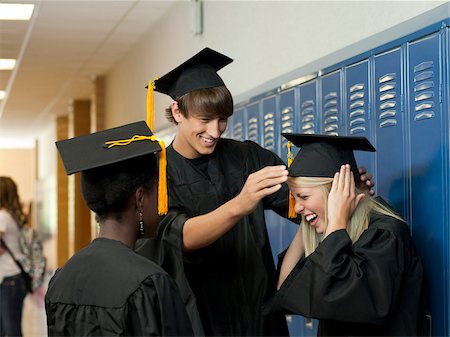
pixel 342 200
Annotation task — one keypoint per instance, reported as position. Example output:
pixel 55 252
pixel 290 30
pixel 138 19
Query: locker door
pixel 308 122
pixel 288 111
pixel 270 140
pixel 357 108
pixel 238 130
pixel 390 174
pixel 308 107
pixel 289 116
pixel 228 133
pixel 428 148
pixel 331 104
pixel 254 132
pixel 270 127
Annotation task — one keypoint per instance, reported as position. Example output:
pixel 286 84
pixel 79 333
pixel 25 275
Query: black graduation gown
pixel 226 280
pixel 106 289
pixel 370 288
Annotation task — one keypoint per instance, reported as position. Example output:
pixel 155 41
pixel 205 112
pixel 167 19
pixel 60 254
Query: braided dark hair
pixel 107 189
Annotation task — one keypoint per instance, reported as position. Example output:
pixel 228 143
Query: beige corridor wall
pixel 265 38
pixel 19 164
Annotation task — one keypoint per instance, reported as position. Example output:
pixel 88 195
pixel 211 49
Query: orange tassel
pixel 291 211
pixel 150 105
pixel 163 202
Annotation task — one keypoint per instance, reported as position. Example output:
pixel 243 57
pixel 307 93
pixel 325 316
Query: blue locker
pixel 288 110
pixel 238 129
pixel 331 104
pixel 390 129
pixel 254 125
pixel 270 141
pixel 308 122
pixel 270 128
pixel 228 133
pixel 357 108
pixel 429 149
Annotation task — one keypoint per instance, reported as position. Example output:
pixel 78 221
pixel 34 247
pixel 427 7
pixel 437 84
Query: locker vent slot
pixel 287 123
pixel 269 131
pixel 238 131
pixel 307 117
pixel 253 129
pixel 331 114
pixel 387 104
pixel 357 113
pixel 423 90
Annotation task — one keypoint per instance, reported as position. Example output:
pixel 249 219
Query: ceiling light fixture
pixel 2 94
pixel 16 11
pixel 7 64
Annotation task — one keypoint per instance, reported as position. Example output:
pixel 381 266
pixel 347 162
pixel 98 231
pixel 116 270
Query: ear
pixel 176 112
pixel 140 198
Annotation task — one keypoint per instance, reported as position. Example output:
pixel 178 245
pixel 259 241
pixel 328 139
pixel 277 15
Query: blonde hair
pixel 358 222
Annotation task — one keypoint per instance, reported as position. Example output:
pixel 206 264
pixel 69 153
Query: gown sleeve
pixel 156 309
pixel 338 281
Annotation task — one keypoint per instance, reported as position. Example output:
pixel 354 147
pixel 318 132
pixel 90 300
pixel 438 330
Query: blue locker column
pixel 429 172
pixel 228 133
pixel 331 104
pixel 308 121
pixel 391 170
pixel 270 141
pixel 238 129
pixel 308 117
pixel 288 111
pixel 254 125
pixel 357 108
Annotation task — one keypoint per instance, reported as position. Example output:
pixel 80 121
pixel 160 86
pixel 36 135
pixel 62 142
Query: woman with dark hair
pixel 106 288
pixel 12 287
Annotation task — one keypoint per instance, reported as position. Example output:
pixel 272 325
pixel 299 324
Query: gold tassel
pixel 290 158
pixel 150 105
pixel 163 202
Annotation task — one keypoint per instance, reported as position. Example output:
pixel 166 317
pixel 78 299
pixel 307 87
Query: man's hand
pixel 366 183
pixel 260 184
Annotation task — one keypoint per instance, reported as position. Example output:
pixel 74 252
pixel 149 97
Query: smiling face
pixel 310 202
pixel 197 135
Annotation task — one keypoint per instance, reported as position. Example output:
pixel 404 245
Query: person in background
pixel 12 287
pixel 214 239
pixel 106 289
pixel 352 264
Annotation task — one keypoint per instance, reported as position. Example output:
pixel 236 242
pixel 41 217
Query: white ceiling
pixel 64 45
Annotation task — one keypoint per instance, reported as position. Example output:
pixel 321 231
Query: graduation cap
pixel 108 147
pixel 198 72
pixel 323 155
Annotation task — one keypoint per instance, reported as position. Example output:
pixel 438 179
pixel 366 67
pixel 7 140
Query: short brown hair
pixel 210 102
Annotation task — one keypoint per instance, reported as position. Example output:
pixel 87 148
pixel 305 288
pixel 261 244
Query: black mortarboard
pixel 104 147
pixel 323 155
pixel 199 72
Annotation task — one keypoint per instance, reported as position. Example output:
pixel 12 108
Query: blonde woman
pixel 351 264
